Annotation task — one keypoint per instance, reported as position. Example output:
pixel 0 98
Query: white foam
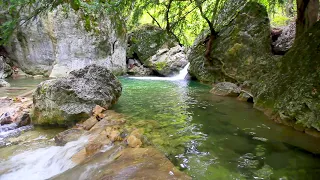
pixel 41 163
pixel 181 76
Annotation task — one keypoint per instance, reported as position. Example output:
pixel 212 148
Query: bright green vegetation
pixel 211 137
pixel 180 18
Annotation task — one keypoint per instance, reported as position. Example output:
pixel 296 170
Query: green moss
pixel 146 40
pixel 160 65
pixel 291 87
pixel 279 20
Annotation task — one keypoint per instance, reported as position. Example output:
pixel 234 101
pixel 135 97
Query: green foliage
pixel 279 21
pixel 181 18
pixel 17 13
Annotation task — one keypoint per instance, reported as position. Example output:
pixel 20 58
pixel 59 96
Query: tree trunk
pixel 307 15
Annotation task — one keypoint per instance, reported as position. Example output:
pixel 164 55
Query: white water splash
pixel 181 76
pixel 41 163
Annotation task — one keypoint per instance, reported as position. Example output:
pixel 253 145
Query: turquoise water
pixel 20 86
pixel 211 137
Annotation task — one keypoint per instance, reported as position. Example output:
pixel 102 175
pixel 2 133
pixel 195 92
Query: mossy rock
pixel 240 51
pixel 67 100
pixel 292 89
pixel 146 40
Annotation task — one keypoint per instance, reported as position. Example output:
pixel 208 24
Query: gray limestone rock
pixel 66 100
pixel 57 43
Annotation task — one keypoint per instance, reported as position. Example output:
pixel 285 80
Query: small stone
pixel 134 142
pixel 114 135
pixel 92 148
pixel 89 123
pixel 67 136
pixel 98 110
pixel 23 120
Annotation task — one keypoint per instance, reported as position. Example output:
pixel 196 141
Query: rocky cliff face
pixel 240 51
pixel 290 92
pixel 57 43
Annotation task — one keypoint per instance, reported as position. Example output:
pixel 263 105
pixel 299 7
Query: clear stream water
pixel 212 137
pixel 206 136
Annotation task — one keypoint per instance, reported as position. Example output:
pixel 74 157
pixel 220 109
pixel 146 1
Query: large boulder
pixel 145 41
pixel 241 49
pixel 290 93
pixel 285 40
pixel 57 43
pixel 66 100
pixel 226 89
pixel 5 68
pixel 168 62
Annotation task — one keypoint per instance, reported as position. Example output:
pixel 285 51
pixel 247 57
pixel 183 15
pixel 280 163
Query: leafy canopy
pixel 184 19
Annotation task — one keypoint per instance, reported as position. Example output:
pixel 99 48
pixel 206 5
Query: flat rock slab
pixel 129 163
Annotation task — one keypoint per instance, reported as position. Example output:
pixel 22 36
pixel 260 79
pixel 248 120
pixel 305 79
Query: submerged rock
pixel 67 100
pixel 56 43
pixel 225 89
pixel 168 62
pixel 4 83
pixel 67 136
pixel 290 92
pixel 241 49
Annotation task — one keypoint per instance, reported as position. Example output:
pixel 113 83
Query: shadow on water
pixel 213 137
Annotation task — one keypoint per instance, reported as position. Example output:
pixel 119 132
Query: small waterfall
pixel 41 163
pixel 181 76
pixel 183 73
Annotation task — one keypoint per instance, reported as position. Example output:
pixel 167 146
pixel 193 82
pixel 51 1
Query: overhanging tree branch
pixel 154 19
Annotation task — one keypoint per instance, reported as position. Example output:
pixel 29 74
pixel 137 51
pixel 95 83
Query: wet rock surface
pixel 290 93
pixel 168 62
pixel 14 117
pixel 226 89
pixel 113 153
pixel 67 100
pixel 68 136
pixel 130 163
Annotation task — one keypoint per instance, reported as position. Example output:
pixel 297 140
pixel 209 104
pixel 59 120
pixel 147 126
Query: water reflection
pixel 216 137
